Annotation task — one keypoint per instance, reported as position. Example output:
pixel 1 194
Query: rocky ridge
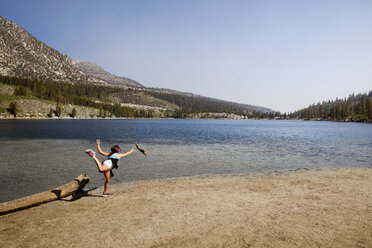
pixel 93 70
pixel 22 55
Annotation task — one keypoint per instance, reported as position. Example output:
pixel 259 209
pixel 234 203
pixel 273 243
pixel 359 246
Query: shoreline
pixel 119 185
pixel 324 207
pixel 167 118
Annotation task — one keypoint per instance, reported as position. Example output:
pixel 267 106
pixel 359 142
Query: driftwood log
pixel 47 196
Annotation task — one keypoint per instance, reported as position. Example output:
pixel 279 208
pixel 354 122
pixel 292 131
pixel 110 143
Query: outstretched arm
pixel 99 148
pixel 120 155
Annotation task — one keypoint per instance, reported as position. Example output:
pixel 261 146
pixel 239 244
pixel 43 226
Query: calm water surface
pixel 37 155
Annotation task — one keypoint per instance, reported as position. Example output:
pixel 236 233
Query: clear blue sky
pixel 284 55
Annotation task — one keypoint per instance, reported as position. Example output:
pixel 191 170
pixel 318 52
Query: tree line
pixel 354 108
pixel 190 104
pixel 78 94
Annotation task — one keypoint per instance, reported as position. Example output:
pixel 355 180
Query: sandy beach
pixel 330 207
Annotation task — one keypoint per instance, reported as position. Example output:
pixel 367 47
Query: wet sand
pixel 330 207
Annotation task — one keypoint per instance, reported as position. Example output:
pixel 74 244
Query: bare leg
pixel 108 177
pixel 101 167
pixel 106 172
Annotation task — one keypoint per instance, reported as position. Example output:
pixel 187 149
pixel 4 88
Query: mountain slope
pixel 192 103
pixel 22 55
pixel 91 69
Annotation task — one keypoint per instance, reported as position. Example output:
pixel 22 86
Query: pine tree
pixel 100 110
pixel 21 91
pixel 13 107
pixel 50 113
pixel 369 108
pixel 58 110
pixel 74 112
pixel 363 106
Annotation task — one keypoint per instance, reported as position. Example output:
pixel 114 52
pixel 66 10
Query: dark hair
pixel 115 149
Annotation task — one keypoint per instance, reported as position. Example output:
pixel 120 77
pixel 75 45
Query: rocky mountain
pixel 91 69
pixel 22 55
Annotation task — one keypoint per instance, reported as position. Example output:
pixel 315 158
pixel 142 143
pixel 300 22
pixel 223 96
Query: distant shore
pixel 328 207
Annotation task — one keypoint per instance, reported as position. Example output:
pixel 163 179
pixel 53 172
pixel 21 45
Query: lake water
pixel 37 155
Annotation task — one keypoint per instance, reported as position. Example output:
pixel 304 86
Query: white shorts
pixel 108 162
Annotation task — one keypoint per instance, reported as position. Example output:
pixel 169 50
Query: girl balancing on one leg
pixel 111 162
